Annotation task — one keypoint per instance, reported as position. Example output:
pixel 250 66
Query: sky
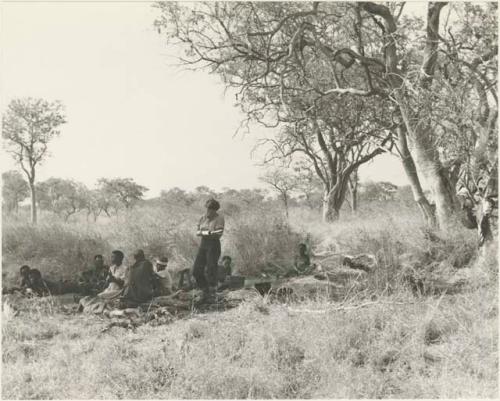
pixel 131 111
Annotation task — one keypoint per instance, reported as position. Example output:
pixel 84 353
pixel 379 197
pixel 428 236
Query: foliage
pixel 63 197
pixel 123 190
pixel 28 126
pixel 15 189
pixel 371 191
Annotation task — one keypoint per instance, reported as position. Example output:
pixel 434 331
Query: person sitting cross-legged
pixel 139 283
pixel 117 275
pixel 93 281
pixel 163 279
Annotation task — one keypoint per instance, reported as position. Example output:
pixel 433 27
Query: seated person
pixel 117 275
pixel 24 279
pixel 162 278
pixel 36 285
pixel 224 271
pixel 139 283
pixel 302 263
pixel 93 281
pixel 186 283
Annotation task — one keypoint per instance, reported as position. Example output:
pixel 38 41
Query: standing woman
pixel 210 229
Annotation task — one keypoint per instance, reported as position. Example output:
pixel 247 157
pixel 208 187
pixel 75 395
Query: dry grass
pixel 276 351
pixel 394 345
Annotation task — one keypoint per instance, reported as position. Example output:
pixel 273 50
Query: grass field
pixel 383 343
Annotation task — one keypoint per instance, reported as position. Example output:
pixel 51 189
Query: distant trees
pixel 15 189
pixel 63 197
pixel 28 126
pixel 177 196
pixel 125 191
pixel 66 198
pixel 378 191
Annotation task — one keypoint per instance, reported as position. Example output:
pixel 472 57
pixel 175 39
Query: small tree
pixel 124 190
pixel 15 189
pixel 28 125
pixel 282 182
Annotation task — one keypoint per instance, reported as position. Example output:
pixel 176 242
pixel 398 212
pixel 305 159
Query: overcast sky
pixel 130 111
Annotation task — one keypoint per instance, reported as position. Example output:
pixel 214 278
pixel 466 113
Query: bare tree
pixel 283 182
pixel 28 127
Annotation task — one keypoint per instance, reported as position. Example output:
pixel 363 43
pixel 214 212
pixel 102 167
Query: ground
pixel 384 342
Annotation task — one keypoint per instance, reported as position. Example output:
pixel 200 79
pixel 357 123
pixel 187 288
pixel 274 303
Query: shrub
pixel 54 248
pixel 257 239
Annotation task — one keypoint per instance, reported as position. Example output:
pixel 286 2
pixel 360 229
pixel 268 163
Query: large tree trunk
pixel 428 163
pixel 331 211
pixel 412 175
pixel 426 155
pixel 334 199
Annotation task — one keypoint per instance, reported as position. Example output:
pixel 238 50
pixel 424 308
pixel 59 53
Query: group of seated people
pixel 133 284
pixel 141 281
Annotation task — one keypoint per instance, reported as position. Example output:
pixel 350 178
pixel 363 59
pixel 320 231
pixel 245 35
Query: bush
pixel 58 249
pixel 257 239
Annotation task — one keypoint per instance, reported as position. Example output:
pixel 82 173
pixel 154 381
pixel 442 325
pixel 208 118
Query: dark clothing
pixel 205 264
pixel 185 282
pixel 93 281
pixel 223 273
pixel 302 263
pixel 139 284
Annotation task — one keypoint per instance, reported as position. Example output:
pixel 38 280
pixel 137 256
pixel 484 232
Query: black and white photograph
pixel 249 199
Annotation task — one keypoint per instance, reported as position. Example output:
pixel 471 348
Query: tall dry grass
pixel 397 347
pixel 394 345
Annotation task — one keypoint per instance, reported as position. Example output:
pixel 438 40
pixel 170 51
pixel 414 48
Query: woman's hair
pixel 226 257
pixel 119 254
pixel 24 267
pixel 212 204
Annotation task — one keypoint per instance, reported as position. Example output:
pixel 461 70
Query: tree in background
pixel 353 191
pixel 378 191
pixel 28 126
pixel 300 56
pixel 283 182
pixel 177 196
pixel 62 197
pixel 125 191
pixel 309 186
pixel 15 189
pixel 278 56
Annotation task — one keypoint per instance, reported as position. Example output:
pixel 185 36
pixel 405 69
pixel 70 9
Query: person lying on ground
pixel 210 229
pixel 162 278
pixel 23 284
pixel 139 283
pixel 117 275
pixel 93 280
